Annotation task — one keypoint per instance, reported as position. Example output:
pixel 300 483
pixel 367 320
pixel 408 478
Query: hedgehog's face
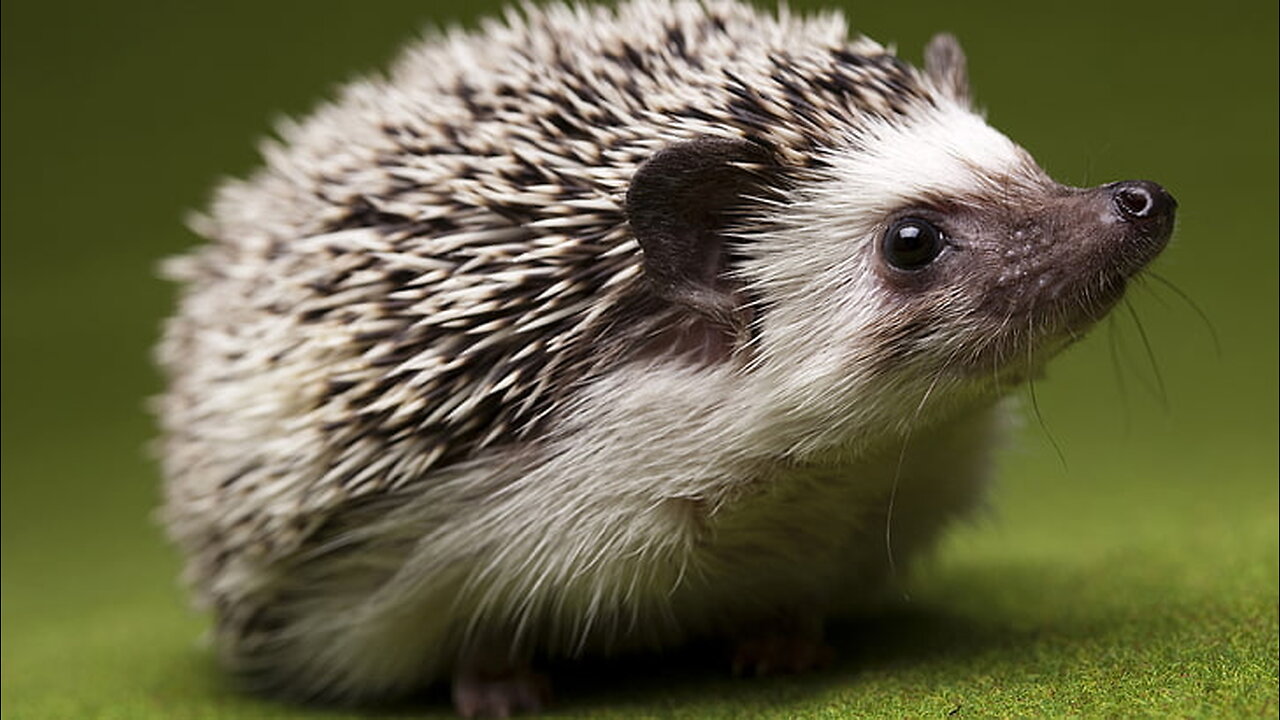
pixel 995 284
pixel 926 246
pixel 937 247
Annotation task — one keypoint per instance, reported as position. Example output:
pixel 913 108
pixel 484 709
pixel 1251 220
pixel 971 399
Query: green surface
pixel 1139 579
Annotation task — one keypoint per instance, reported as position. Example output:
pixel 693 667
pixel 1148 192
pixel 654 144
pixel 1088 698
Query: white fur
pixel 950 152
pixel 625 533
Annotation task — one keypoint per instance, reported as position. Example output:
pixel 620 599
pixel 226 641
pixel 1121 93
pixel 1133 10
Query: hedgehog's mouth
pixel 1018 342
pixel 1079 307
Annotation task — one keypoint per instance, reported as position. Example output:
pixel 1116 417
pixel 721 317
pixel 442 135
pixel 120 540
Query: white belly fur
pixel 622 533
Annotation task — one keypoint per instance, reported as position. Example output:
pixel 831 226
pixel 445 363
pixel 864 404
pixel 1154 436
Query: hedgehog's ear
pixel 945 65
pixel 678 205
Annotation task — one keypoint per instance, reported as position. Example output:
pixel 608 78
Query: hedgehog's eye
pixel 912 243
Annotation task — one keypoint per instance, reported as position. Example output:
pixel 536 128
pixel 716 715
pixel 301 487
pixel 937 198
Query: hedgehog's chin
pixel 1006 363
pixel 1026 345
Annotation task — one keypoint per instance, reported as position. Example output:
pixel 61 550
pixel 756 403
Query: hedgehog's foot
pixel 780 647
pixel 506 691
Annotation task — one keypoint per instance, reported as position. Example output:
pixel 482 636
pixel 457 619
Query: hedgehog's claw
pixel 480 694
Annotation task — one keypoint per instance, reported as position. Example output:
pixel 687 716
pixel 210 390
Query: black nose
pixel 1142 200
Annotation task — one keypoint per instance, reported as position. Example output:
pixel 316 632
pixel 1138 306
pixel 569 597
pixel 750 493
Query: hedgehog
pixel 597 330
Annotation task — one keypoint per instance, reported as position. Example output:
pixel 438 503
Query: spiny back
pixel 427 266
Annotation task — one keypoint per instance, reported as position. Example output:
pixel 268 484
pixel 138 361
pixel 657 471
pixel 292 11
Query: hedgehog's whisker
pixel 1113 345
pixel 998 350
pixel 1195 307
pixel 902 457
pixel 1035 406
pixel 1151 356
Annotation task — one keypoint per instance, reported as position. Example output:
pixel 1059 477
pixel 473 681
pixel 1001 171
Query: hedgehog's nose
pixel 1142 201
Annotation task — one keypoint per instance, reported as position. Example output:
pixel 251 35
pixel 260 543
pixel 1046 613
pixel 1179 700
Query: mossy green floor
pixel 1140 579
pixel 1108 595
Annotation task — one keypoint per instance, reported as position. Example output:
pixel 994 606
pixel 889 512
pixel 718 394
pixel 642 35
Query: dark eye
pixel 912 243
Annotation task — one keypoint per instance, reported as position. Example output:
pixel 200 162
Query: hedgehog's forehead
pixel 945 152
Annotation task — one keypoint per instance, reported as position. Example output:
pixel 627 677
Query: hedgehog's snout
pixel 1145 204
pixel 1142 212
pixel 1103 236
pixel 1066 264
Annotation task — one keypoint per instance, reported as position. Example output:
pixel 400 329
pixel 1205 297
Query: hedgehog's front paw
pixel 776 648
pixel 489 694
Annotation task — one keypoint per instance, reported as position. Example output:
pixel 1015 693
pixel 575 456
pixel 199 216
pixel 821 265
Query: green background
pixel 1137 578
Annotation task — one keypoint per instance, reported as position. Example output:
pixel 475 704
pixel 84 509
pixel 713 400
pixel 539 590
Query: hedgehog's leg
pixel 786 644
pixel 488 683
